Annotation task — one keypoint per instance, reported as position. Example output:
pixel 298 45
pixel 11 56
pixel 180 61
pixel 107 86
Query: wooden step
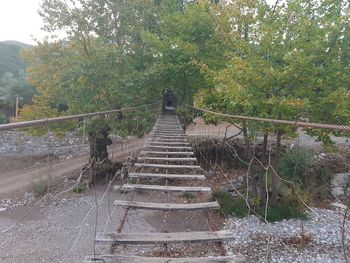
pixel 169 132
pixel 170 136
pixel 166 238
pixel 167 159
pixel 168 206
pixel 169 143
pixel 156 139
pixel 144 187
pixel 169 147
pixel 164 128
pixel 168 122
pixel 166 166
pixel 140 259
pixel 166 125
pixel 167 153
pixel 167 176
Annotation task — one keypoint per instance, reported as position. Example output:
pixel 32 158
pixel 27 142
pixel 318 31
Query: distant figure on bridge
pixel 168 101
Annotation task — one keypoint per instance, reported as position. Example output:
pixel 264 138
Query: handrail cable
pixel 276 121
pixel 24 124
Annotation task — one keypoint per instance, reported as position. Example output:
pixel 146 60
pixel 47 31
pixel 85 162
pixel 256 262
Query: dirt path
pixel 19 173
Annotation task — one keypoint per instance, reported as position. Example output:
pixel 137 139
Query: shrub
pixel 311 175
pixel 284 209
pixel 40 189
pixel 320 175
pixel 230 205
pixel 188 196
pixel 294 164
pixel 3 119
pixel 79 188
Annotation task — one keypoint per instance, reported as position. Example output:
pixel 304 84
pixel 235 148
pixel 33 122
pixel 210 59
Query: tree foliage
pixel 289 60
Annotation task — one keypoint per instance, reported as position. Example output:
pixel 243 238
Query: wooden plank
pixel 167 153
pixel 167 159
pixel 170 143
pixel 166 166
pixel 144 187
pixel 166 238
pixel 172 132
pixel 156 139
pixel 169 136
pixel 169 131
pixel 170 126
pixel 167 176
pixel 140 259
pixel 168 147
pixel 167 122
pixel 167 206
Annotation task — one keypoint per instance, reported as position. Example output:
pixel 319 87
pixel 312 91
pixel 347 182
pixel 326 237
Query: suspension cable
pixel 296 123
pixel 24 124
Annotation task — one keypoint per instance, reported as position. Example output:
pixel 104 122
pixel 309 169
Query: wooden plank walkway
pixel 166 166
pixel 165 206
pixel 166 153
pixel 170 159
pixel 167 176
pixel 166 238
pixel 163 188
pixel 168 143
pixel 169 147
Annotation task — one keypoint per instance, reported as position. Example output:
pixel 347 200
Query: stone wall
pixel 13 142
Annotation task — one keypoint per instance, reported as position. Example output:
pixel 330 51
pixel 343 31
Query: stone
pixel 117 187
pixel 232 186
pixel 241 178
pixel 209 174
pixel 338 192
pixel 341 180
pixel 339 205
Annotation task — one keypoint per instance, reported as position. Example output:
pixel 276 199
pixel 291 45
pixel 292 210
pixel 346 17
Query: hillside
pixel 9 59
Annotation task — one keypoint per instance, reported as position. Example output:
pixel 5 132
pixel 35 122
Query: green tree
pixel 286 61
pixel 98 67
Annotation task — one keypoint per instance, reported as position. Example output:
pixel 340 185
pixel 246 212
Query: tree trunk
pixel 262 182
pixel 100 165
pixel 98 147
pixel 248 156
pixel 248 150
pixel 274 176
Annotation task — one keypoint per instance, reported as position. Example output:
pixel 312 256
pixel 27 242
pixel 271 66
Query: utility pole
pixel 17 106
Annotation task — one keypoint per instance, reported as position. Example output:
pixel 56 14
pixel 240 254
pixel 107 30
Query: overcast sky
pixel 19 20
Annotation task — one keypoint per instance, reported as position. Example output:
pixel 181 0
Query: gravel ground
pixel 58 230
pixel 316 240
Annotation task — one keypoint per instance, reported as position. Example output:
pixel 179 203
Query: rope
pixel 23 124
pixel 326 126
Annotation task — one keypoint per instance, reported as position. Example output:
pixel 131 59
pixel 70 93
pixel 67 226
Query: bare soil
pixel 18 173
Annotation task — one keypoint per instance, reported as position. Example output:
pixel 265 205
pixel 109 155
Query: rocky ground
pixel 318 239
pixel 59 229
